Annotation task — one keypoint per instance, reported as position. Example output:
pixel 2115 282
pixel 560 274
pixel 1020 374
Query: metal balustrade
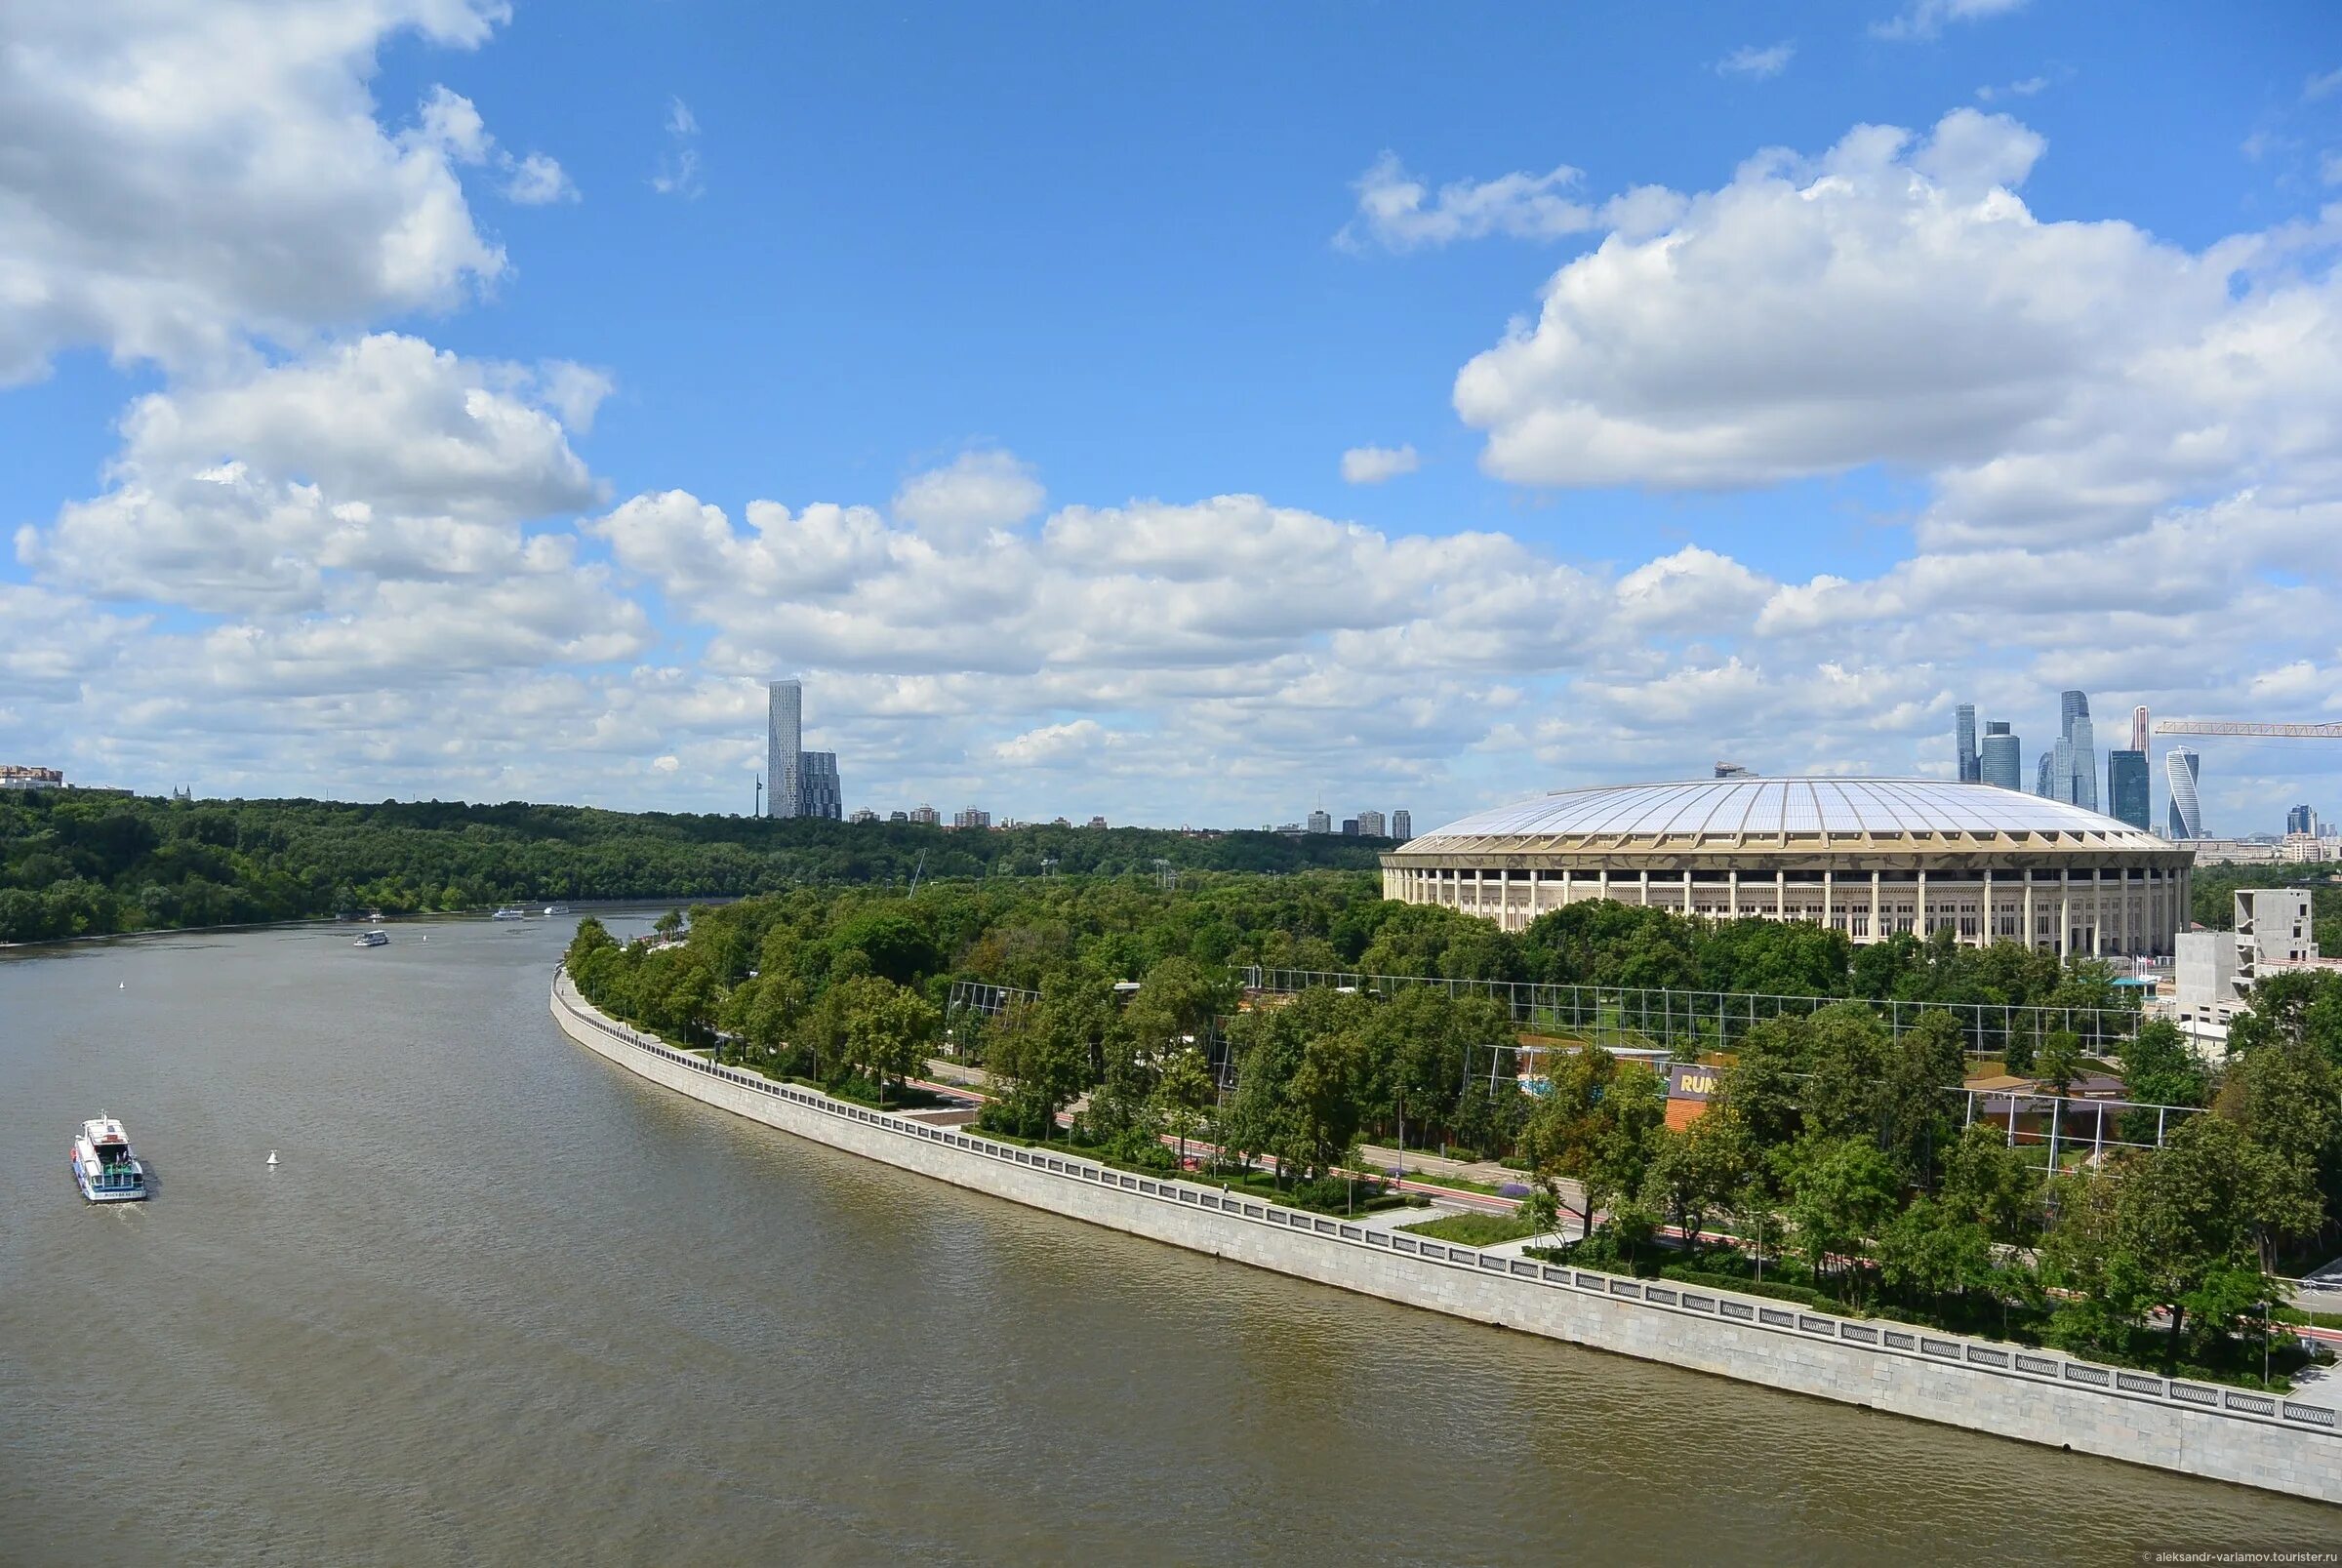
pixel 1987 1360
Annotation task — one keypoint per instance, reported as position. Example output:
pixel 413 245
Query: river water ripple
pixel 501 1302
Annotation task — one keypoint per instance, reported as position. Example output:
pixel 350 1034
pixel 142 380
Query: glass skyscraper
pixel 2180 766
pixel 797 782
pixel 783 748
pixel 2077 780
pixel 2003 761
pixel 1963 728
pixel 2127 787
pixel 818 793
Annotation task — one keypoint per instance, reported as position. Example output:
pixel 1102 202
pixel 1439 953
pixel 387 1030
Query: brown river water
pixel 501 1302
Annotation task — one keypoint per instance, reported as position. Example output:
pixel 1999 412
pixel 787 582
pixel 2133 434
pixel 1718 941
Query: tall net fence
pixel 1687 1023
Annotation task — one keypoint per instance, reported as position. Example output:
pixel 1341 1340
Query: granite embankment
pixel 2232 1434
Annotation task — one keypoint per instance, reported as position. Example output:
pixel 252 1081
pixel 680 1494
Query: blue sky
pixel 406 401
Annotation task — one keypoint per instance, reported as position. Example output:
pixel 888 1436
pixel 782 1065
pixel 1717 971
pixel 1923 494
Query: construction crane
pixel 2291 732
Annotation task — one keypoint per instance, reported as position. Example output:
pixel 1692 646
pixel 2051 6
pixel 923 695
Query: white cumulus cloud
pixel 968 497
pixel 183 177
pixel 1371 466
pixel 1399 212
pixel 1923 19
pixel 1751 60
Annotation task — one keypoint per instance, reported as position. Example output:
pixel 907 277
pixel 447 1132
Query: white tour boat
pixel 373 939
pixel 556 908
pixel 511 912
pixel 105 1167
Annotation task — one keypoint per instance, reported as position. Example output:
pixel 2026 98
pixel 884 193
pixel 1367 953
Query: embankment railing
pixel 1880 1336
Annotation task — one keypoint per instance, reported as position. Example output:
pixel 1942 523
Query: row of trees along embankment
pixel 1834 1158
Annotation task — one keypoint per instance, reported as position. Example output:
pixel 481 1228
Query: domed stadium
pixel 1869 856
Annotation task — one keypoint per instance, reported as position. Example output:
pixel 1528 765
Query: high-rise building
pixel 2127 787
pixel 925 816
pixel 2180 768
pixel 2044 777
pixel 784 747
pixel 2138 728
pixel 1320 823
pixel 2003 761
pixel 971 817
pixel 818 790
pixel 1098 822
pixel 1963 743
pixel 1402 827
pixel 1370 824
pixel 2078 752
pixel 2302 819
pixel 1349 827
pixel 797 782
pixel 862 814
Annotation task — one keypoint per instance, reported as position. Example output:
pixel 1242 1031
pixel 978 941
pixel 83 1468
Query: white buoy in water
pixel 272 1157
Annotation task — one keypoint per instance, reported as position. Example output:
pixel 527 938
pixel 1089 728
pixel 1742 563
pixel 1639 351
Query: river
pixel 504 1301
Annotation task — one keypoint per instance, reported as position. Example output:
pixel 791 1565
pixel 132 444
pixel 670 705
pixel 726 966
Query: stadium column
pixel 1780 895
pixel 2032 931
pixel 1984 925
pixel 2065 911
pixel 1829 886
pixel 1878 916
pixel 1920 905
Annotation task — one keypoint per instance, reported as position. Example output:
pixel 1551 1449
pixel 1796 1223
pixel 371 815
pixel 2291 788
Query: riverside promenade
pixel 2268 1441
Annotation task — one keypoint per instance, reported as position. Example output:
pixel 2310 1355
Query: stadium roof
pixel 1724 812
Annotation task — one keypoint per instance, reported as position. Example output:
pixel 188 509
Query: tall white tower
pixel 2186 817
pixel 783 748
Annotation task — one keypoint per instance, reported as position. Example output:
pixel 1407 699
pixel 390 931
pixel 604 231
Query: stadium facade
pixel 1869 856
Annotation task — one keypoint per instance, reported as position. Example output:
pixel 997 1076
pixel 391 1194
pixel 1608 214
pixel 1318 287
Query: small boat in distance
pixel 373 939
pixel 556 908
pixel 104 1166
pixel 511 912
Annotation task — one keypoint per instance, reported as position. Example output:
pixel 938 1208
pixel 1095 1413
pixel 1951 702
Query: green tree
pixel 2158 1068
pixel 1842 1190
pixel 1695 1172
pixel 1184 1095
pixel 2060 1061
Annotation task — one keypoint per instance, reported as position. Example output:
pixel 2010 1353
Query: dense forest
pixel 75 863
pixel 1834 1134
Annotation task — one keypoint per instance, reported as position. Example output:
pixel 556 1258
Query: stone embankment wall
pixel 2230 1435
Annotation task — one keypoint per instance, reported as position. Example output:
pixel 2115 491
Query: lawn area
pixel 1475 1230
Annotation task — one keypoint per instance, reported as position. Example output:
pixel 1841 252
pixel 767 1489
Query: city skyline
pixel 459 465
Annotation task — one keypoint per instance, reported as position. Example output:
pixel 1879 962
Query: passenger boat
pixel 373 939
pixel 556 908
pixel 104 1166
pixel 511 912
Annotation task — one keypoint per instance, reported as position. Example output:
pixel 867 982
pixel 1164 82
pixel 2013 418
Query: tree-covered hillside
pixel 77 862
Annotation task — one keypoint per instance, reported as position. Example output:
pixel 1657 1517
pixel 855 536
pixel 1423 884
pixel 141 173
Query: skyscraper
pixel 2078 752
pixel 2003 761
pixel 2138 728
pixel 1402 827
pixel 1370 824
pixel 1963 743
pixel 1320 823
pixel 2302 819
pixel 2180 766
pixel 783 747
pixel 2127 787
pixel 817 791
pixel 2044 778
